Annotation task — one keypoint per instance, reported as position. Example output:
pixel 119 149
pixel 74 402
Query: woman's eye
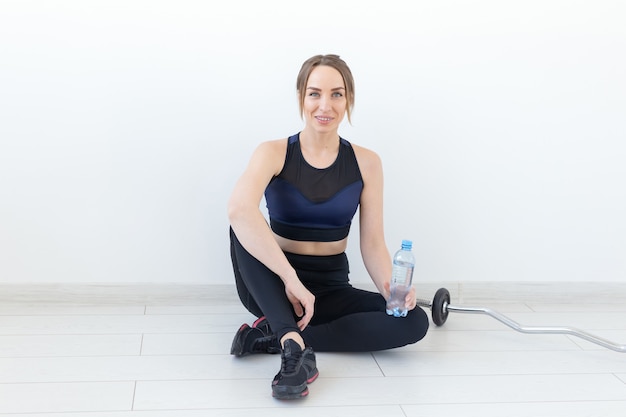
pixel 337 94
pixel 314 94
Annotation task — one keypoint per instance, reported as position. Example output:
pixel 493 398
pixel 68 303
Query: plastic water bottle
pixel 401 279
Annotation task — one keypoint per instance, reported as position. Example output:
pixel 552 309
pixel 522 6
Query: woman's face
pixel 325 100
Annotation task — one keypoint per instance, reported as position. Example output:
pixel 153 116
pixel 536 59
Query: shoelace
pixel 290 362
pixel 263 344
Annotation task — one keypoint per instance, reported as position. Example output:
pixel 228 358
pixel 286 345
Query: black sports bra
pixel 311 204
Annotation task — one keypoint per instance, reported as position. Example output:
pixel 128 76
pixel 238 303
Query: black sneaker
pixel 256 339
pixel 297 369
pixel 264 325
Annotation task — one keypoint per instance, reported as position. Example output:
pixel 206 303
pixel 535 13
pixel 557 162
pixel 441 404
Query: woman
pixel 293 273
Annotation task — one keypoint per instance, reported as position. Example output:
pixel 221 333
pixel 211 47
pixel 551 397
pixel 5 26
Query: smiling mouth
pixel 323 119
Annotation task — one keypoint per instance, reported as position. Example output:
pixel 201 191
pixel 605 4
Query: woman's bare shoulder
pixel 273 146
pixel 270 155
pixel 367 158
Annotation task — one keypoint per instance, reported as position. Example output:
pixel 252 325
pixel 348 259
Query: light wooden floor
pixel 159 351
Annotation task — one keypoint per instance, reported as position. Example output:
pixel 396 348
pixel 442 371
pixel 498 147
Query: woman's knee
pixel 418 324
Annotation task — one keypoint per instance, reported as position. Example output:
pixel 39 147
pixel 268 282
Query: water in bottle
pixel 401 279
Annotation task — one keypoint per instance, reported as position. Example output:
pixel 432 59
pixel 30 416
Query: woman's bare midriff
pixel 312 248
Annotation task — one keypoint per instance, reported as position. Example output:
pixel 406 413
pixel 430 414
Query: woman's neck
pixel 319 140
pixel 319 150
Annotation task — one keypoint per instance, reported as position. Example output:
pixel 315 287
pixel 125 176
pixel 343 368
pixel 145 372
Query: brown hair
pixel 331 61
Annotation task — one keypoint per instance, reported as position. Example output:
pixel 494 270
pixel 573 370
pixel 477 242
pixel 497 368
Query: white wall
pixel 124 125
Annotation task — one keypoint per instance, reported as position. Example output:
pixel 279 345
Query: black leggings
pixel 346 319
